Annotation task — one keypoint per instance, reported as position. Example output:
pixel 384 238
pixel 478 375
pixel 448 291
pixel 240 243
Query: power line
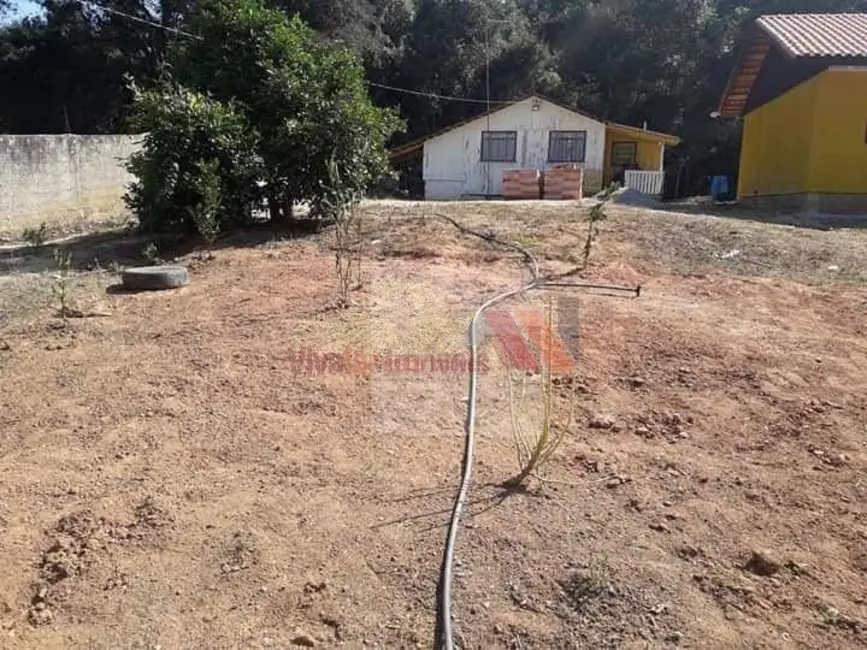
pixel 144 21
pixel 181 32
pixel 420 93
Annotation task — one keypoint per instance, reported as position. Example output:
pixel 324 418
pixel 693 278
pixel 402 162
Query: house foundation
pixel 813 203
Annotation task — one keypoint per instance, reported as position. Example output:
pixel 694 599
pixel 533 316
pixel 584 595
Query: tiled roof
pixel 818 35
pixel 821 39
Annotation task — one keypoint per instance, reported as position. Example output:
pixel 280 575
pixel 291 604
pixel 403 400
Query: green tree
pixel 67 69
pixel 306 98
pixel 266 99
pixel 197 170
pixel 664 62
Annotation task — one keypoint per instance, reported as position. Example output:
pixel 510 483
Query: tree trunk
pixel 288 212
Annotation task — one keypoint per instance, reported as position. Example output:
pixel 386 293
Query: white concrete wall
pixel 61 179
pixel 452 161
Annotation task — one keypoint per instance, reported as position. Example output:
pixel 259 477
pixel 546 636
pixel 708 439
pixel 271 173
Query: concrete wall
pixel 452 161
pixel 62 179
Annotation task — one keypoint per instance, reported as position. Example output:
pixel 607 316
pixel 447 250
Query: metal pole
pixel 488 102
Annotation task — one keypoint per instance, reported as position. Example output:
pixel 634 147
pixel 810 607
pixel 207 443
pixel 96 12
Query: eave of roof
pixel 410 148
pixel 645 134
pixel 803 37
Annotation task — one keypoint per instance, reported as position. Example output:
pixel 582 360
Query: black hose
pixel 444 635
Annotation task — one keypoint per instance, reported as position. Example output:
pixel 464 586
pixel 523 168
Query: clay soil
pixel 173 477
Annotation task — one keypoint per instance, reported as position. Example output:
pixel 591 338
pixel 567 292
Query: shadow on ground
pixel 117 249
pixel 706 207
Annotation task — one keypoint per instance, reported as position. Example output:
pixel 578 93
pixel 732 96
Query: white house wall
pixel 452 161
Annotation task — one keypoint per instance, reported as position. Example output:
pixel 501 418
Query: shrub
pixel 264 97
pixel 537 444
pixel 197 170
pixel 35 236
pixel 306 98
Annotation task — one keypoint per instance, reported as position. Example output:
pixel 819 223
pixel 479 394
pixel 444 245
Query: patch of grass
pixel 524 239
pixel 151 253
pixel 35 236
pixel 536 448
pixel 421 252
pixel 583 587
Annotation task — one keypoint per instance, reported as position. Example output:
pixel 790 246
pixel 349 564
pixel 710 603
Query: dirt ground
pixel 175 475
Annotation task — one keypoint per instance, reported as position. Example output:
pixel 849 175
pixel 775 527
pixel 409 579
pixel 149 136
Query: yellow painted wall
pixel 838 163
pixel 649 156
pixel 777 144
pixel 812 139
pixel 649 152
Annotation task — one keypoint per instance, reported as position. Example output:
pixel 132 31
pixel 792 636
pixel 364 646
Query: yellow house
pixel 801 87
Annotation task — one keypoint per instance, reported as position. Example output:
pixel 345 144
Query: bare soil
pixel 174 477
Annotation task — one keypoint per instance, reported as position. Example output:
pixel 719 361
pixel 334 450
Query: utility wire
pixel 449 98
pixel 180 32
pixel 143 21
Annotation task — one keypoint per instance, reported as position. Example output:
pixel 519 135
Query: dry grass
pixel 16 229
pixel 686 244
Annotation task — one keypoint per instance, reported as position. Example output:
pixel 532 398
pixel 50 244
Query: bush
pixel 264 97
pixel 206 214
pixel 197 170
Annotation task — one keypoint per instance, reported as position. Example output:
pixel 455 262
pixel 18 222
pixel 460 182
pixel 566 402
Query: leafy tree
pixel 197 170
pixel 306 98
pixel 67 70
pixel 665 62
pixel 256 97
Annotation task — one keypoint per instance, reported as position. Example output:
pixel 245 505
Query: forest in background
pixel 660 62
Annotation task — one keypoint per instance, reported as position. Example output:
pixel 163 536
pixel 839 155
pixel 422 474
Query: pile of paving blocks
pixel 522 184
pixel 564 183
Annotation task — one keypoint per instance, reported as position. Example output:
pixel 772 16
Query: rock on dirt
pixel 762 563
pixel 304 641
pixel 602 421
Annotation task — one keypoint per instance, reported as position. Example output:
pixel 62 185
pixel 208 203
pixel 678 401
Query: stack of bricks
pixel 522 184
pixel 564 183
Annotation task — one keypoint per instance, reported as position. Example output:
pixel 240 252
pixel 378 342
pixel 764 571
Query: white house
pixel 468 159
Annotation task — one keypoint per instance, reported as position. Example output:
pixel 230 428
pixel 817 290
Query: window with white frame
pixel 567 146
pixel 499 146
